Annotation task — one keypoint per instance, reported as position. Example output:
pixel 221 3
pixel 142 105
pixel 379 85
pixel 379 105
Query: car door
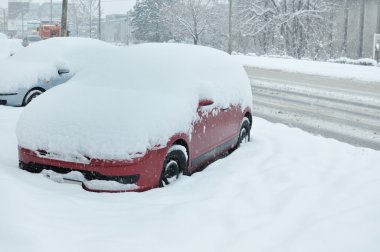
pixel 207 134
pixel 232 117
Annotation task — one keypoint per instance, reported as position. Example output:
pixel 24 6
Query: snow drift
pixel 142 97
pixel 328 69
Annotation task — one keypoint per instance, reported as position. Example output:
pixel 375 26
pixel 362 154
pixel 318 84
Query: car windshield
pixel 34 38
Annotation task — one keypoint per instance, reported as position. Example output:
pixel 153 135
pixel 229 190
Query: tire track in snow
pixel 350 114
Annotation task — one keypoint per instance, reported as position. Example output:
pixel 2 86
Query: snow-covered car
pixel 46 64
pixel 154 112
pixel 31 39
pixel 8 47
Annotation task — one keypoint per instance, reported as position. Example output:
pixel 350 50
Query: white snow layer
pixel 285 191
pixel 139 99
pixel 41 60
pixel 109 185
pixel 3 36
pixel 328 69
pixel 8 47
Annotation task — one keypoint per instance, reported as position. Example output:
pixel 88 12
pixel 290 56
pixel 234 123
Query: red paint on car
pixel 215 132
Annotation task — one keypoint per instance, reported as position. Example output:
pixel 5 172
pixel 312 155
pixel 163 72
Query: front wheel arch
pixel 175 164
pixel 27 96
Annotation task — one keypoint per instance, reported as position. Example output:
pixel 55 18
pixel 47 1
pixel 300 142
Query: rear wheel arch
pixel 249 116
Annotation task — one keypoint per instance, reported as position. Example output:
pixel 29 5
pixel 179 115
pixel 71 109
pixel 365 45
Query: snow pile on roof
pixel 42 60
pixel 8 47
pixel 136 101
pixel 328 69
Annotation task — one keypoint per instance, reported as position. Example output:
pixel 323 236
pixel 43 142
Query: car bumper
pixel 11 99
pixel 144 172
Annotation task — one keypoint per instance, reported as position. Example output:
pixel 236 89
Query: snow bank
pixel 41 60
pixel 3 36
pixel 328 69
pixel 364 62
pixel 101 185
pixel 285 191
pixel 143 96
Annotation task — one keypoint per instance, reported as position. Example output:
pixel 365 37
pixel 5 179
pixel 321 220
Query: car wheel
pixel 31 95
pixel 245 132
pixel 174 165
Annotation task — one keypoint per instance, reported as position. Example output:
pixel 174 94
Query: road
pixel 343 109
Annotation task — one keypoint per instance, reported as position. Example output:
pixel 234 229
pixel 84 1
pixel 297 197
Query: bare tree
pixel 192 17
pixel 87 11
pixel 294 25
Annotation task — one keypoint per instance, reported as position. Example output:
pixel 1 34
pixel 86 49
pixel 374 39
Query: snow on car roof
pixel 175 68
pixel 136 100
pixel 9 47
pixel 41 60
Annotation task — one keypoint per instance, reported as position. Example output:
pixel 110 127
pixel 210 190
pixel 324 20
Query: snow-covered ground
pixel 287 190
pixel 328 69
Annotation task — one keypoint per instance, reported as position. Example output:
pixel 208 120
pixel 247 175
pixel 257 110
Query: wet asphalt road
pixel 344 109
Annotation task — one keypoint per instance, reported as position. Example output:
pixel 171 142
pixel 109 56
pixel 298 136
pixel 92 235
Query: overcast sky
pixel 109 6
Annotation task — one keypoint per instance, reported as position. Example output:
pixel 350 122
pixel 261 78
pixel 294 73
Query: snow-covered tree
pixel 296 27
pixel 190 18
pixel 147 21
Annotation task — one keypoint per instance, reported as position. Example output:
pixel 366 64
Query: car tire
pixel 245 132
pixel 174 165
pixel 31 95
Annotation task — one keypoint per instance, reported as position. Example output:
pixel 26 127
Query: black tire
pixel 245 132
pixel 174 165
pixel 29 168
pixel 32 94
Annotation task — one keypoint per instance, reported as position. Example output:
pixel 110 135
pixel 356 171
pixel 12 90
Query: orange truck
pixel 49 31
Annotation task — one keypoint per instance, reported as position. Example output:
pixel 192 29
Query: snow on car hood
pixel 138 100
pixel 41 60
pixel 9 47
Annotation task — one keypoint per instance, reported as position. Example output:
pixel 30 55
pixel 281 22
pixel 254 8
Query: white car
pixel 46 64
pixel 8 47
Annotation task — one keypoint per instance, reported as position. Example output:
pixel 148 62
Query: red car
pixel 163 119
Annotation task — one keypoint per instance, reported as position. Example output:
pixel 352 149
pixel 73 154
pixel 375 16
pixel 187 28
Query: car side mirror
pixel 63 71
pixel 205 102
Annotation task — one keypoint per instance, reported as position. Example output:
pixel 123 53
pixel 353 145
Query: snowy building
pixel 55 11
pixel 116 28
